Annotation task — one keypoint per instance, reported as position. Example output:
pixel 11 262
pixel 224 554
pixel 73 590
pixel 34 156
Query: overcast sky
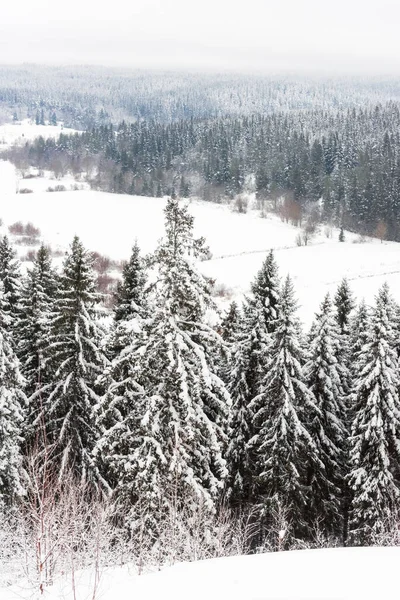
pixel 271 35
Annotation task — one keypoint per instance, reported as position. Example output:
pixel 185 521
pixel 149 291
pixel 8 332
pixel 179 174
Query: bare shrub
pixel 25 191
pixel 31 230
pixel 222 290
pixel 102 264
pixel 241 203
pixel 57 188
pixel 17 228
pixel 299 240
pixel 27 240
pixel 30 256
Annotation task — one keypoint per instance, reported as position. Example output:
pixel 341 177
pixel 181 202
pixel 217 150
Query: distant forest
pixel 320 150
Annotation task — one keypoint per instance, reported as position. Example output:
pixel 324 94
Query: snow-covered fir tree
pixel 117 410
pixel 283 447
pixel 230 323
pixel 11 278
pixel 12 411
pixel 265 290
pixel 130 291
pixel 248 366
pixel 75 359
pixel 177 434
pixel 344 303
pixel 375 436
pixel 38 295
pixel 327 424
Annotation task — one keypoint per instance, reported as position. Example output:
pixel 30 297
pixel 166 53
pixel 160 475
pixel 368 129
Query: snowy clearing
pixel 20 132
pixel 329 574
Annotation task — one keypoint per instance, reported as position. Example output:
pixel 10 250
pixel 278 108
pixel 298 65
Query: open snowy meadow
pixel 296 575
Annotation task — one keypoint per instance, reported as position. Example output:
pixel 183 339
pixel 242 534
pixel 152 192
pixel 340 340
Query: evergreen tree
pixel 327 425
pixel 11 279
pixel 344 304
pixel 265 289
pixel 38 295
pixel 129 297
pixel 75 359
pixel 171 450
pixel 283 447
pixel 375 437
pixel 12 406
pixel 247 369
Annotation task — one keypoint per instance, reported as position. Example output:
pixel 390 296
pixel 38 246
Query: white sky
pixel 271 35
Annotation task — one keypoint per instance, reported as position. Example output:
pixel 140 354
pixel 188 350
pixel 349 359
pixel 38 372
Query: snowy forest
pixel 335 164
pixel 181 429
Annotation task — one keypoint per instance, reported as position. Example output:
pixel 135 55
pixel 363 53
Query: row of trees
pixel 158 409
pixel 344 165
pixel 85 96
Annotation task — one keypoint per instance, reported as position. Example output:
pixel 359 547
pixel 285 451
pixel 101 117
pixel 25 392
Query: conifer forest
pixel 156 420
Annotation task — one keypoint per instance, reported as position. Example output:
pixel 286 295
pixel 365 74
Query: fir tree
pixel 11 279
pixel 283 447
pixel 129 297
pixel 175 435
pixel 249 359
pixel 38 295
pixel 327 425
pixel 75 359
pixel 265 289
pixel 375 437
pixel 12 407
pixel 344 304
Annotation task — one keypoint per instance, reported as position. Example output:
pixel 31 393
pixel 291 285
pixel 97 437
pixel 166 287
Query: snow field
pixel 329 574
pixel 19 132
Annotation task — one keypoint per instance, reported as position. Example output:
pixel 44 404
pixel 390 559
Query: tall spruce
pixel 283 447
pixel 11 278
pixel 117 410
pixel 327 425
pixel 375 437
pixel 178 431
pixel 38 295
pixel 265 290
pixel 75 359
pixel 12 411
pixel 130 291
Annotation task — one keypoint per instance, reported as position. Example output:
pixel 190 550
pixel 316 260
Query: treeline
pixel 344 165
pixel 86 96
pixel 159 410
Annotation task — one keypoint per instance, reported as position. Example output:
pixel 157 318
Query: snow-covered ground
pixel 19 132
pixel 334 574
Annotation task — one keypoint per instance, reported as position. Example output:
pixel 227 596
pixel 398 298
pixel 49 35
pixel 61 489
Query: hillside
pixel 109 224
pixel 335 574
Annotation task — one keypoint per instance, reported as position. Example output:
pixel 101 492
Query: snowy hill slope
pixel 109 223
pixel 21 131
pixel 330 574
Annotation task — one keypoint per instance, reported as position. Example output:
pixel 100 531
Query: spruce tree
pixel 129 297
pixel 344 304
pixel 375 435
pixel 327 425
pixel 265 290
pixel 75 359
pixel 38 295
pixel 176 432
pixel 11 279
pixel 12 411
pixel 282 445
